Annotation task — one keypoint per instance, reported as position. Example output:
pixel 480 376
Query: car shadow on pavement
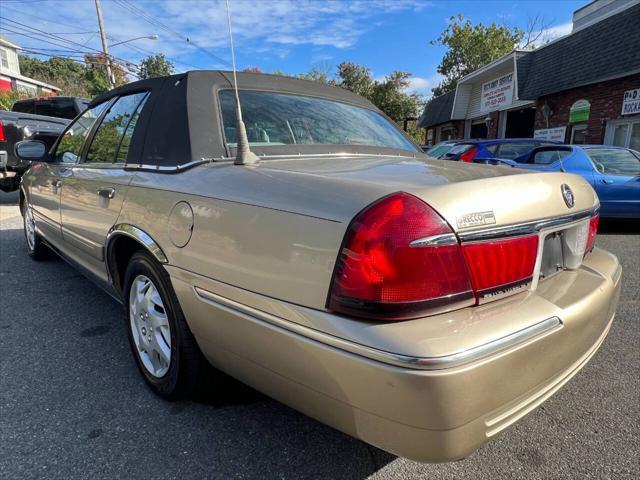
pixel 69 360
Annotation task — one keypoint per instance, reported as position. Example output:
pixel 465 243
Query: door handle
pixel 606 181
pixel 107 193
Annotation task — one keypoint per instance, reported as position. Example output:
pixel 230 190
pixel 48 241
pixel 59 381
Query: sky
pixel 292 36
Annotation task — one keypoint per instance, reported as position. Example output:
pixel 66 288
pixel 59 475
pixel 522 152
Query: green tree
pixel 469 47
pixel 65 73
pixel 389 95
pixel 155 66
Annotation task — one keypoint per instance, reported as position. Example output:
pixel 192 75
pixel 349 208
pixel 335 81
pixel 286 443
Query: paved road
pixel 72 405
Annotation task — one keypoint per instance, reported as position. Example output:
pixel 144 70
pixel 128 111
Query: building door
pixel 479 129
pixel 579 134
pixel 520 123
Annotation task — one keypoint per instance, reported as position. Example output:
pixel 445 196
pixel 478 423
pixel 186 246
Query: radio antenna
pixel 244 155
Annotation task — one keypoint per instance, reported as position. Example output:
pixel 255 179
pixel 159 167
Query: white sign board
pixel 557 134
pixel 497 93
pixel 631 102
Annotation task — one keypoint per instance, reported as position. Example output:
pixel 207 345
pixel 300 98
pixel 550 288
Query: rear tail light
pixel 401 260
pixel 2 139
pixel 469 154
pixel 593 230
pixel 398 260
pixel 497 266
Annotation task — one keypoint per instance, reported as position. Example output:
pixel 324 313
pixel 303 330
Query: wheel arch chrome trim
pixel 458 359
pixel 142 237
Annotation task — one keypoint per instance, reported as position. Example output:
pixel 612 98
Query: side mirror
pixel 31 150
pixel 600 167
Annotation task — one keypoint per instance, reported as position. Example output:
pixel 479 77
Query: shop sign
pixel 497 93
pixel 556 134
pixel 579 111
pixel 631 102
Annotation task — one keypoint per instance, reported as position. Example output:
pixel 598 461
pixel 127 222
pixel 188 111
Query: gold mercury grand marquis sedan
pixel 422 306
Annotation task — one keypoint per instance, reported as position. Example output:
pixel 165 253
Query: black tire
pixel 36 248
pixel 188 369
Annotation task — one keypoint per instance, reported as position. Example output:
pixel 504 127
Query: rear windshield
pixel 438 150
pixel 460 149
pixel 275 119
pixel 615 161
pixel 53 107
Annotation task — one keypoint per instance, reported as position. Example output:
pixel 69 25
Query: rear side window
pixel 73 138
pixel 614 161
pixel 492 149
pixel 24 107
pixel 547 157
pixel 512 151
pixel 111 131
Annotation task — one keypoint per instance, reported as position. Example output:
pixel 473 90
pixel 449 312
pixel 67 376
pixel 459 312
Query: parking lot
pixel 72 404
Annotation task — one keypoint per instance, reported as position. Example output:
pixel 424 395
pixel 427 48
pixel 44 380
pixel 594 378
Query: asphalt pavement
pixel 72 404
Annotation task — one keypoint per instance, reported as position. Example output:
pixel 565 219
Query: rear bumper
pixel 418 412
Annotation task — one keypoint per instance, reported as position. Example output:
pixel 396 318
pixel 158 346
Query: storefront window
pixel 620 134
pixel 624 133
pixel 634 141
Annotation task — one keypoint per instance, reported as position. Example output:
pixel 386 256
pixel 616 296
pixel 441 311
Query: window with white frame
pixel 624 133
pixel 4 58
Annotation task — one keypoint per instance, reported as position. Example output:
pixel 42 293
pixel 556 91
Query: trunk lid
pixel 469 196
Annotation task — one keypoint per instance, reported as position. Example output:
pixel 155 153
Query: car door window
pixel 614 161
pixel 107 138
pixel 73 138
pixel 123 151
pixel 547 157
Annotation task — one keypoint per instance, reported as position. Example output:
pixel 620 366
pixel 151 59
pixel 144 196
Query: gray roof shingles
pixel 606 50
pixel 437 111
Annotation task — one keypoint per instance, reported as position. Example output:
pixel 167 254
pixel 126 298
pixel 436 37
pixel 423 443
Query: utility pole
pixel 105 49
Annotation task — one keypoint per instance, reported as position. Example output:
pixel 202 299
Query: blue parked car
pixel 481 149
pixel 614 172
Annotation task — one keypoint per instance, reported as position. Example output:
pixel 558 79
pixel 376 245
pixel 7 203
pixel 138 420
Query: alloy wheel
pixel 150 326
pixel 29 228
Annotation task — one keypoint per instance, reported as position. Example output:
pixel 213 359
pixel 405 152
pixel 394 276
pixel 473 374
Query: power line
pixel 157 23
pixel 36 31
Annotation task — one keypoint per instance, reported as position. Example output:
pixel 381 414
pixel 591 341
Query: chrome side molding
pixel 535 331
pixel 141 236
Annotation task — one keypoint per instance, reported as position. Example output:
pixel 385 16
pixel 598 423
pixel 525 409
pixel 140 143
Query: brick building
pixel 581 88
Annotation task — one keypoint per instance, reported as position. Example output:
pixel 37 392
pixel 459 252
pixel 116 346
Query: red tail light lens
pixel 380 274
pixel 469 154
pixel 593 230
pixel 2 139
pixel 501 264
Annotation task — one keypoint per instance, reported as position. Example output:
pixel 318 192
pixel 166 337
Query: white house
pixel 10 77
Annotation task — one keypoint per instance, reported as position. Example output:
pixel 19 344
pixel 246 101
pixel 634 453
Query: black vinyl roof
pixel 605 50
pixel 181 122
pixel 437 110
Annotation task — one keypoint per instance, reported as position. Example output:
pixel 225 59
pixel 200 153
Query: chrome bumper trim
pixel 464 357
